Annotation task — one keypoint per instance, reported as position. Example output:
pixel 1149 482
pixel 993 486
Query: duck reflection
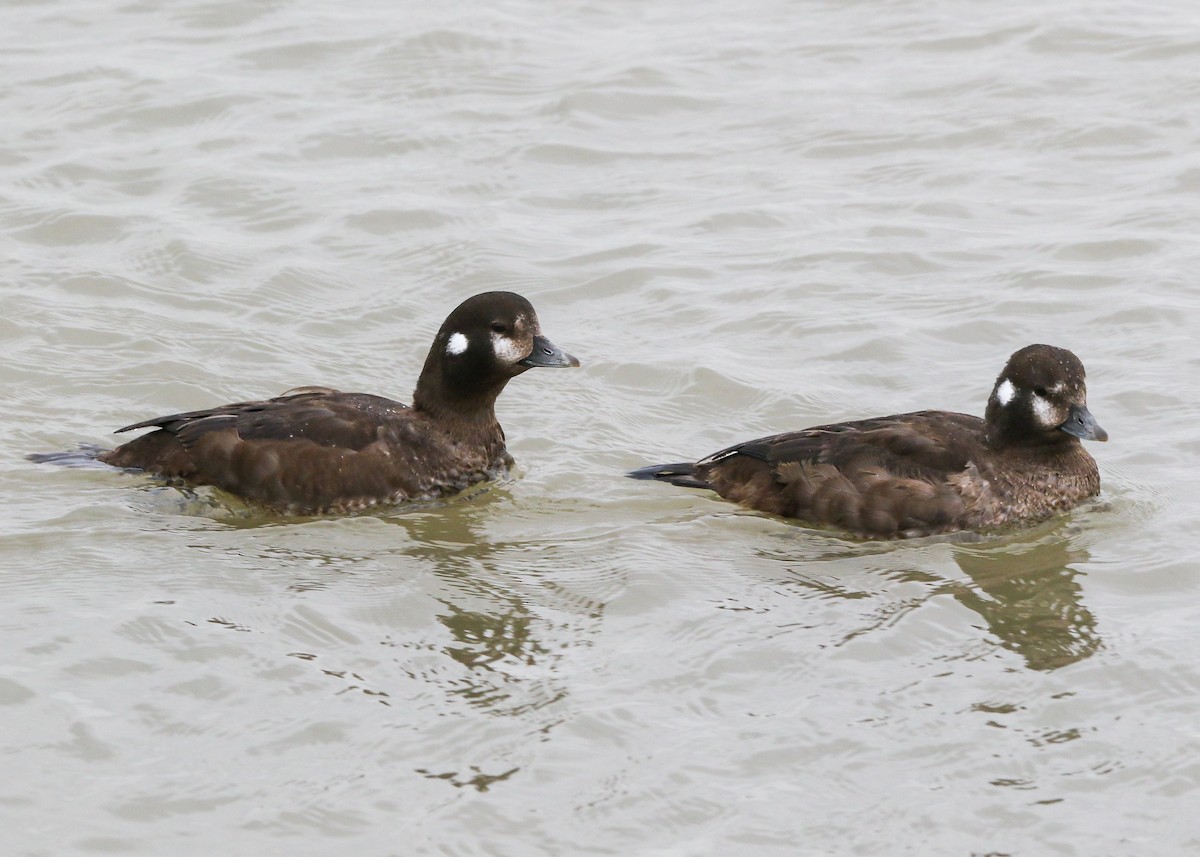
pixel 482 623
pixel 1031 600
pixel 1025 586
pixel 486 638
pixel 496 614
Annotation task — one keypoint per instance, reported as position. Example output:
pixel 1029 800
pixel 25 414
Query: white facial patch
pixel 1043 411
pixel 506 349
pixel 1005 392
pixel 456 344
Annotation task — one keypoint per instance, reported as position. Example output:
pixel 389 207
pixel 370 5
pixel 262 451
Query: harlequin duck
pixel 315 450
pixel 926 472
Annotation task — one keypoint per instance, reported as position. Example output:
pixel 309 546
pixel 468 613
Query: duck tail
pixel 85 456
pixel 682 474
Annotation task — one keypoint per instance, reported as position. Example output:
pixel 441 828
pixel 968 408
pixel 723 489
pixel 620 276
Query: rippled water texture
pixel 744 218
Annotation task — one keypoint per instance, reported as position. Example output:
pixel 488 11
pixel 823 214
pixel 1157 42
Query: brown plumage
pixel 926 472
pixel 316 450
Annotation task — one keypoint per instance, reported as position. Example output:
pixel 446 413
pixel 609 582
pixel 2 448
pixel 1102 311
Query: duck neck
pixel 469 408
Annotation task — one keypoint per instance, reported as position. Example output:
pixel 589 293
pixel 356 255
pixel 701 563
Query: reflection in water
pixel 1023 586
pixel 477 780
pixel 494 632
pixel 503 617
pixel 1031 601
pixel 495 646
pixel 490 637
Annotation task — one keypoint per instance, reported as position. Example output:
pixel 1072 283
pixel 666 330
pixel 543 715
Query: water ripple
pixel 743 220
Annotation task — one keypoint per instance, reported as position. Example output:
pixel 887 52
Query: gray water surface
pixel 743 218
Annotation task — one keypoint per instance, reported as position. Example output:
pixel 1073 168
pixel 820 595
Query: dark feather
pixel 682 474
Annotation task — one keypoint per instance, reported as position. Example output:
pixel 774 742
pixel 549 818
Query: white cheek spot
pixel 1005 392
pixel 456 344
pixel 1043 411
pixel 505 349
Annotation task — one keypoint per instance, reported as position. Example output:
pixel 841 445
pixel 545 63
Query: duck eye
pixel 499 327
pixel 1039 391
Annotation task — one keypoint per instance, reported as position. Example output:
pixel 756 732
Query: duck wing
pixel 322 415
pixel 885 476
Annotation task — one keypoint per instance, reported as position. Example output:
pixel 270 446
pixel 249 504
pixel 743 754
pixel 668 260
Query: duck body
pixel 316 450
pixel 925 472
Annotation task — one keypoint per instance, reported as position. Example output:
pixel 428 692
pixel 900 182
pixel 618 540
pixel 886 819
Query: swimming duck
pixel 316 450
pixel 925 472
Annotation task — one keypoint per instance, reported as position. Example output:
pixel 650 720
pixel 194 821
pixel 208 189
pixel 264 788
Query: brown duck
pixel 926 472
pixel 315 450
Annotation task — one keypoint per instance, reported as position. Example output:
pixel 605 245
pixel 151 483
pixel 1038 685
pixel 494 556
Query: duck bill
pixel 1083 425
pixel 548 355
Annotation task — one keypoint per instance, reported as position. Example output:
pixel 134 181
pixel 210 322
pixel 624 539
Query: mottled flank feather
pixel 314 453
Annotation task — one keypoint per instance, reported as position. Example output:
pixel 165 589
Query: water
pixel 743 218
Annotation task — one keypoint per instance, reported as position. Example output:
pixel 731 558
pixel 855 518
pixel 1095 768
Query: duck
pixel 927 472
pixel 319 451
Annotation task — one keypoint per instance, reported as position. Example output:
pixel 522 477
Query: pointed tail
pixel 85 456
pixel 682 474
